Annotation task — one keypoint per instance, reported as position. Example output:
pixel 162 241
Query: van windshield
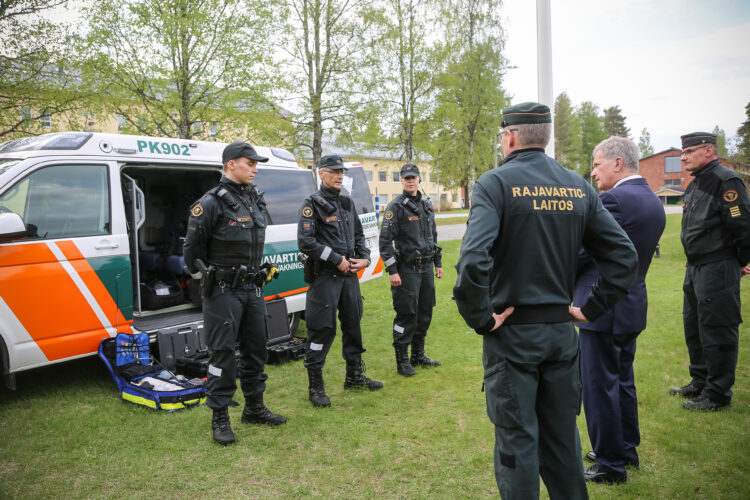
pixel 284 191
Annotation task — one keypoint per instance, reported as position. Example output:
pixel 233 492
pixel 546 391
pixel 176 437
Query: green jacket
pixel 716 214
pixel 528 221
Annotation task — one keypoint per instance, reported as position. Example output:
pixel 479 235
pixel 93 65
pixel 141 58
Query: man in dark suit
pixel 608 344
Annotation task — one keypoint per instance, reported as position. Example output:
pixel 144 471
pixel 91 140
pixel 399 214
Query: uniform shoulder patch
pixel 197 210
pixel 388 214
pixel 730 195
pixel 307 211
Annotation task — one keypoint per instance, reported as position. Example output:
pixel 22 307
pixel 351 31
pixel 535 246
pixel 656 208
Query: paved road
pixel 456 231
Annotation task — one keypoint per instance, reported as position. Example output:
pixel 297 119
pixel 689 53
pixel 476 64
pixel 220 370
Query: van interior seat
pixel 162 264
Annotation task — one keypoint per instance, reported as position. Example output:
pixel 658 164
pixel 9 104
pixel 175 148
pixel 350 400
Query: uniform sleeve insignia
pixel 388 215
pixel 735 211
pixel 307 212
pixel 730 195
pixel 197 210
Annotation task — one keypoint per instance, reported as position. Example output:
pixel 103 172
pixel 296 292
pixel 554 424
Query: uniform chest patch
pixel 332 218
pixel 197 210
pixel 244 218
pixel 730 195
pixel 307 212
pixel 388 215
pixel 413 217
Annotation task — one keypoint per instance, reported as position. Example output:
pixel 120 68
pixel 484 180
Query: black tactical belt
pixel 228 275
pixel 706 258
pixel 523 315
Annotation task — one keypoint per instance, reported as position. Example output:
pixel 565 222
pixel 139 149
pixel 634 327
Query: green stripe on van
pixel 116 275
pixel 284 255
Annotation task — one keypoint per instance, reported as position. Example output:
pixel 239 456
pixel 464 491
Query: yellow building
pixel 383 169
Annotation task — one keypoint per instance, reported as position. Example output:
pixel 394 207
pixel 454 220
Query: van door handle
pixel 105 245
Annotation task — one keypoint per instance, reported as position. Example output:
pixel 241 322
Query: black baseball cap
pixel 334 162
pixel 409 170
pixel 239 149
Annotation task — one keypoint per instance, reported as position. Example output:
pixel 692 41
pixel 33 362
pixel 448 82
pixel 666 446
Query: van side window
pixel 355 185
pixel 284 191
pixel 63 201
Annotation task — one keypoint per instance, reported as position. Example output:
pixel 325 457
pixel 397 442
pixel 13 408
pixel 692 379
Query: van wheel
pixel 294 321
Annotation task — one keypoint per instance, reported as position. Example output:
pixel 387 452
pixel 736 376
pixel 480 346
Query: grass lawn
pixel 65 432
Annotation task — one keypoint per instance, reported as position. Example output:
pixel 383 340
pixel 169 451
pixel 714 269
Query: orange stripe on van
pixel 93 283
pixel 17 255
pixel 47 302
pixel 287 293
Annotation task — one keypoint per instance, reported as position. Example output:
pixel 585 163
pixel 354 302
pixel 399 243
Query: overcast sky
pixel 672 66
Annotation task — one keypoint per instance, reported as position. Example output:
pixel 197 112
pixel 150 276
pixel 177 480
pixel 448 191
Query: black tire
pixel 294 322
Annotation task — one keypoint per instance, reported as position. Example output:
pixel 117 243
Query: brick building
pixel 668 178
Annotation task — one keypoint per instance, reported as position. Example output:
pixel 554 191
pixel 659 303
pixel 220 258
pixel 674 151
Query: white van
pixel 91 232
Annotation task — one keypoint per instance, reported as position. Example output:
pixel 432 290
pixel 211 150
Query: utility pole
pixel 544 62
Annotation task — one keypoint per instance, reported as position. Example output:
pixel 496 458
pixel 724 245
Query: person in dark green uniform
pixel 716 238
pixel 516 276
pixel 224 248
pixel 409 223
pixel 330 234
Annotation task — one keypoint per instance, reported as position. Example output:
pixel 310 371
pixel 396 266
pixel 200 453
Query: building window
pixel 673 183
pixel 382 176
pixel 121 123
pixel 672 165
pixel 214 129
pixel 197 128
pixel 431 176
pixel 44 118
pixel 395 176
pixel 382 200
pixel 368 175
pixel 26 114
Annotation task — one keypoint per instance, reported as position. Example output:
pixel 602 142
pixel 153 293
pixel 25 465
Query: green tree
pixel 614 122
pixel 469 97
pixel 407 67
pixel 37 66
pixel 592 133
pixel 329 48
pixel 644 143
pixel 184 68
pixel 743 138
pixel 567 133
pixel 721 141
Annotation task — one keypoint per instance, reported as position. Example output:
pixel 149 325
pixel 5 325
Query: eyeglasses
pixel 506 130
pixel 686 152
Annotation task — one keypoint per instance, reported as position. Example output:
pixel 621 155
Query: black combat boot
pixel 417 354
pixel 318 396
pixel 256 412
pixel 403 367
pixel 222 429
pixel 355 376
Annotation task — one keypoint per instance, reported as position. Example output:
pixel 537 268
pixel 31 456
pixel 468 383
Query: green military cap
pixel 334 162
pixel 239 149
pixel 409 170
pixel 697 138
pixel 526 112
